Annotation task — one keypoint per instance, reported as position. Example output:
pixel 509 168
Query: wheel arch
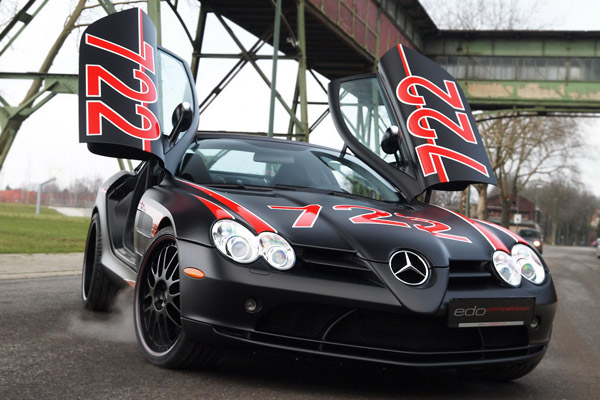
pixel 163 206
pixel 164 223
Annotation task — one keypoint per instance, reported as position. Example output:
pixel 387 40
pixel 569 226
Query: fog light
pixel 251 305
pixel 535 323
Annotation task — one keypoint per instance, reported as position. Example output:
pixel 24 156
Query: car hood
pixel 373 229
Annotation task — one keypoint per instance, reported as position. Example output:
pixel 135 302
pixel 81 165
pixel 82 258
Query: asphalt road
pixel 51 348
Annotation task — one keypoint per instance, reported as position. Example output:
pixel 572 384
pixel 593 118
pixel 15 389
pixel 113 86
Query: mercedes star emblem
pixel 409 268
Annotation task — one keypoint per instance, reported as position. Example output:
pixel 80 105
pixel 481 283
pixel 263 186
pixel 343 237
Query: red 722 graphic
pixel 96 110
pixel 430 154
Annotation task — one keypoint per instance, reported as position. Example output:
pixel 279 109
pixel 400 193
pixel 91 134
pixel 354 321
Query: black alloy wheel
pixel 160 312
pixel 157 309
pixel 97 290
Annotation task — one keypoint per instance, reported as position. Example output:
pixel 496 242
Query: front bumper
pixel 348 314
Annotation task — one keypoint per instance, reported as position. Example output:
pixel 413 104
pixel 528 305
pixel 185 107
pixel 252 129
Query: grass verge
pixel 22 231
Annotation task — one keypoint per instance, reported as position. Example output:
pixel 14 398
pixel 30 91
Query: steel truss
pixel 299 128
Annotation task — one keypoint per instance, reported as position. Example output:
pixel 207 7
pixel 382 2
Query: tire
pixel 97 290
pixel 157 308
pixel 503 373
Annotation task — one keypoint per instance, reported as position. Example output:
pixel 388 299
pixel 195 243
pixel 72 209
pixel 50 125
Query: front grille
pixel 405 333
pixel 335 265
pixel 393 332
pixel 309 321
pixel 385 331
pixel 471 275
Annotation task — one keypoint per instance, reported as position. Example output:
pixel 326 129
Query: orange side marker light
pixel 194 273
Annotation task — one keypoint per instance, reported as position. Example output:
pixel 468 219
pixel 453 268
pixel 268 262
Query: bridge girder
pixel 574 97
pixel 535 70
pixel 361 32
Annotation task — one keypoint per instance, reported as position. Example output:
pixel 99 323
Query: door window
pixel 175 88
pixel 366 113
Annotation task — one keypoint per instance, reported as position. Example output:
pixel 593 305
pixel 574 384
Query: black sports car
pixel 234 240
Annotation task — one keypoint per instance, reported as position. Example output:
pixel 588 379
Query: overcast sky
pixel 47 144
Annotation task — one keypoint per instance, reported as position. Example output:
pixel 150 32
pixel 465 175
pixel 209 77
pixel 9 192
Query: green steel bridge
pixel 542 72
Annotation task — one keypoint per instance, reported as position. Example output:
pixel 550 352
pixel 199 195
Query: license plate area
pixel 468 313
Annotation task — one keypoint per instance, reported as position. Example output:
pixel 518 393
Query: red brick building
pixel 21 196
pixel 526 208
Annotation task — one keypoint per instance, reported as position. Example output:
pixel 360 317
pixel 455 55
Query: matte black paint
pixel 213 307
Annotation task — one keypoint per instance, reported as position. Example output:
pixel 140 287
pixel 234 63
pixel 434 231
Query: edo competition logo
pixel 430 154
pixel 96 110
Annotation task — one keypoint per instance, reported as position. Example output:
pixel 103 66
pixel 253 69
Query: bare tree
pixel 520 148
pixel 483 14
pixel 450 200
pixel 524 148
pixel 568 210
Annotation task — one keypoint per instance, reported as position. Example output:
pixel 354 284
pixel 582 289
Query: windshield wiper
pixel 348 194
pixel 279 186
pixel 240 186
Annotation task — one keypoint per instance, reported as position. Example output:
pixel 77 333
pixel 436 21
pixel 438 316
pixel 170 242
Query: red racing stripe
pixel 216 209
pixel 492 239
pixel 497 243
pixel 510 233
pixel 255 221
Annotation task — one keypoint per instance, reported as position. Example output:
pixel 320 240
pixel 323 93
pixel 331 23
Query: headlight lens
pixel 238 243
pixel 235 241
pixel 506 268
pixel 277 251
pixel 528 263
pixel 537 243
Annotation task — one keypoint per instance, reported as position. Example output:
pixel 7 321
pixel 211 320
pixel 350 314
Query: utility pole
pixel 39 195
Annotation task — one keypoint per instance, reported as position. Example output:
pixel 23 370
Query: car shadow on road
pixel 352 379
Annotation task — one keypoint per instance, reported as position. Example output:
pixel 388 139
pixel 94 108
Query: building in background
pixel 523 213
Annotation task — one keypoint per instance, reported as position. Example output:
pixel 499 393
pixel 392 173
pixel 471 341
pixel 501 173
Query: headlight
pixel 528 263
pixel 238 243
pixel 235 241
pixel 537 243
pixel 277 251
pixel 506 268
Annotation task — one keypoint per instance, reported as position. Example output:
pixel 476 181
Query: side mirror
pixel 390 143
pixel 182 119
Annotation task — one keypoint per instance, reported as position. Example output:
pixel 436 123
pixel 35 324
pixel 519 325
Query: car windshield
pixel 529 233
pixel 281 164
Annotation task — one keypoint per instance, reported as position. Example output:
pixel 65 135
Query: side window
pixel 174 89
pixel 366 113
